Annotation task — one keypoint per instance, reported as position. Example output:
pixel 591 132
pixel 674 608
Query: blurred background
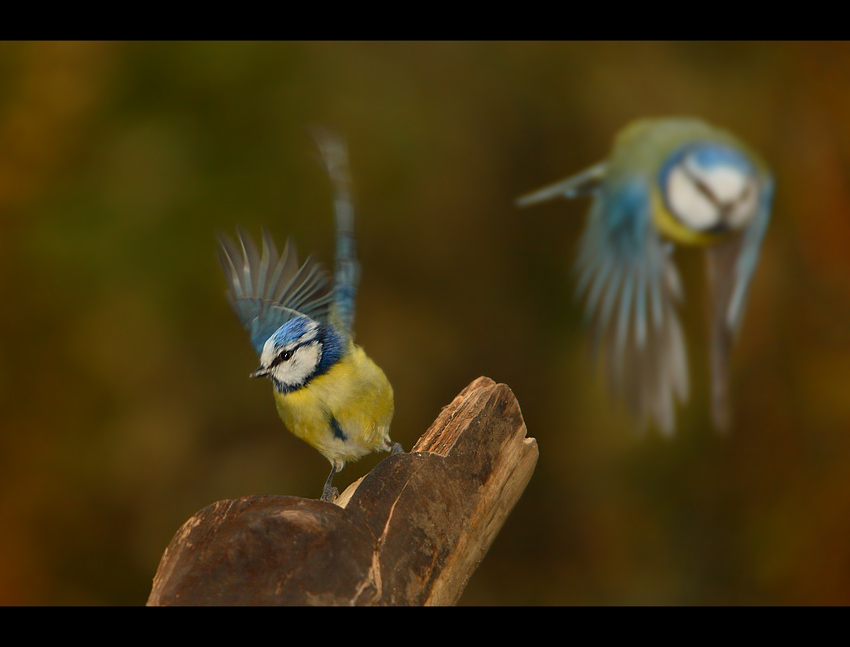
pixel 125 405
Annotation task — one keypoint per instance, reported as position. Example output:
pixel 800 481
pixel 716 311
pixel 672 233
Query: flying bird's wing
pixel 630 287
pixel 584 183
pixel 730 266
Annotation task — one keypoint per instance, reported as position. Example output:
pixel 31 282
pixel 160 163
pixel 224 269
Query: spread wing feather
pixel 630 288
pixel 730 266
pixel 268 289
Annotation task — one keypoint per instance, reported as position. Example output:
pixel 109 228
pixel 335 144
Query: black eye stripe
pixel 745 194
pixel 287 354
pixel 702 187
pixel 282 357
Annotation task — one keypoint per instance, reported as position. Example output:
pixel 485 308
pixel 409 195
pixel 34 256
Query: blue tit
pixel 667 182
pixel 327 390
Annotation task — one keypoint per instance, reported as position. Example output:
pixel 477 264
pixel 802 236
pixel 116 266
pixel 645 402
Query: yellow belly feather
pixel 357 393
pixel 669 227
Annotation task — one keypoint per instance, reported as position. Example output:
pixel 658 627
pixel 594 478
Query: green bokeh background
pixel 124 400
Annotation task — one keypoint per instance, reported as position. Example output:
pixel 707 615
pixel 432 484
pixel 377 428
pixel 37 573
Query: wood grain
pixel 411 532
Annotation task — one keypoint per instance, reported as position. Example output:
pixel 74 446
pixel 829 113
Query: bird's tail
pixel 347 270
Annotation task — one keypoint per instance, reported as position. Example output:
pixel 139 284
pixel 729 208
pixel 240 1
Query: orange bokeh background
pixel 124 400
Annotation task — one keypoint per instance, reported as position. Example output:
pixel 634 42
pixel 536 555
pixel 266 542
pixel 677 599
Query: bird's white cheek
pixel 268 353
pixel 726 183
pixel 688 204
pixel 300 367
pixel 744 212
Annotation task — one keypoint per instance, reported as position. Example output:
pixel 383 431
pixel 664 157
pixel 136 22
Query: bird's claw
pixel 330 494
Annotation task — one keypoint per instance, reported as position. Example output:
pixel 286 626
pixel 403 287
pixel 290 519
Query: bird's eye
pixel 282 357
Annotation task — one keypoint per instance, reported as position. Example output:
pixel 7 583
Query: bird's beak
pixel 260 372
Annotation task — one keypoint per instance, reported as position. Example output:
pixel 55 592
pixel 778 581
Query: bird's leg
pixel 397 449
pixel 330 493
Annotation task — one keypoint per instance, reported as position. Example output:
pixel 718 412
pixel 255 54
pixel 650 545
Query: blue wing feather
pixel 347 269
pixel 731 266
pixel 269 289
pixel 625 272
pixel 581 184
pixel 630 287
pixel 749 256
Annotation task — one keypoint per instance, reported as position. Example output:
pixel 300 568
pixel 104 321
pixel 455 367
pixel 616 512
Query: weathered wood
pixel 411 532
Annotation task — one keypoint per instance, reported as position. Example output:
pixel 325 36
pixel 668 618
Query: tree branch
pixel 411 532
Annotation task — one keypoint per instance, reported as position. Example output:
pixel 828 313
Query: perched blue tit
pixel 327 391
pixel 667 182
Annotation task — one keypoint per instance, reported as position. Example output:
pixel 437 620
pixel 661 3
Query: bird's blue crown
pixel 709 155
pixel 299 332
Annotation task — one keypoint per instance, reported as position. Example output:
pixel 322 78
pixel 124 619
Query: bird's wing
pixel 730 266
pixel 584 183
pixel 269 289
pixel 630 287
pixel 347 268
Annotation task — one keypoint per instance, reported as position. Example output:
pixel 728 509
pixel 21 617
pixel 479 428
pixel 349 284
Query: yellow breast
pixel 669 227
pixel 357 394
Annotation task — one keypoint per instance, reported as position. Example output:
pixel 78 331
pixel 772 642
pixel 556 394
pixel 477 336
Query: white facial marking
pixel 726 182
pixel 268 353
pixel 744 211
pixel 299 367
pixel 295 362
pixel 690 205
pixel 703 198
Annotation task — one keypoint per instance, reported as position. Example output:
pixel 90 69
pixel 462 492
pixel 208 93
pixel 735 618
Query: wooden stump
pixel 411 532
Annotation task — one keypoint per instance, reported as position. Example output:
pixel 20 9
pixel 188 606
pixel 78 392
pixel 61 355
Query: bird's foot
pixel 397 449
pixel 329 494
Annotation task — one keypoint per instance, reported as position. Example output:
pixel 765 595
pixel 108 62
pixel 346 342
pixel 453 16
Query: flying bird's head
pixel 710 187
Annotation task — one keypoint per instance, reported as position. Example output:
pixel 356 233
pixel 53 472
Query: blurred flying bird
pixel 667 182
pixel 327 391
